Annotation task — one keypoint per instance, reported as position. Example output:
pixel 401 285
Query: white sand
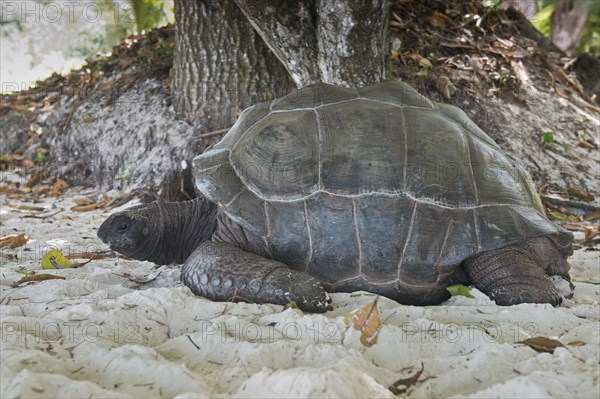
pixel 101 332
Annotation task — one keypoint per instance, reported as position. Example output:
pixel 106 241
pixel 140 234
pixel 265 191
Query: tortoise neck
pixel 184 226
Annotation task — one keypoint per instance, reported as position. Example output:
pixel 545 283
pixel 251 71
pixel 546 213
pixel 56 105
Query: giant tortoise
pixel 341 189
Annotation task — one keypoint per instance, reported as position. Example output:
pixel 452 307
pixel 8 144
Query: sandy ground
pixel 120 328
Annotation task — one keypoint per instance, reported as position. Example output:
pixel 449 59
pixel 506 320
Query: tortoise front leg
pixel 519 273
pixel 224 272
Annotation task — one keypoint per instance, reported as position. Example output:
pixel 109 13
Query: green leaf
pixel 460 290
pixel 557 215
pixel 55 260
pixel 548 138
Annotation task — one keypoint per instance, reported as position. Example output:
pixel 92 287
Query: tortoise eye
pixel 123 228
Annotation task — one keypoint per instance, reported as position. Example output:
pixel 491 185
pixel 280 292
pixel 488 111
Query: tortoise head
pixel 133 232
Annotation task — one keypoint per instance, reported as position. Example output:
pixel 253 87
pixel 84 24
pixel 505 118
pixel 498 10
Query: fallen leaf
pixel 542 344
pixel 580 194
pixel 557 215
pixel 561 92
pixel 79 264
pixel 590 234
pixel 460 290
pixel 592 216
pixel 86 255
pixel 366 320
pixel 586 144
pixel 13 241
pixel 36 277
pixel 291 305
pixel 548 138
pixel 54 259
pixel 437 19
pixel 90 207
pixel 576 343
pixel 83 201
pixel 58 187
pixel 578 226
pixel 424 62
pixel 445 86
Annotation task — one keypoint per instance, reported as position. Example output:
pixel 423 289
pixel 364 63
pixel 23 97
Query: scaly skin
pixel 217 268
pixel 518 273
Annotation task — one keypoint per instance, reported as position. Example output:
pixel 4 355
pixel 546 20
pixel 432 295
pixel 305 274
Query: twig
pixel 569 203
pixel 44 216
pixel 214 132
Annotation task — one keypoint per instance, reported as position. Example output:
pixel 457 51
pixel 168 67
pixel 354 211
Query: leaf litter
pixel 367 321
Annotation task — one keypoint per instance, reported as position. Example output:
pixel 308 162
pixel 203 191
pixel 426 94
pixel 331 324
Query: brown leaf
pixel 590 234
pixel 13 241
pixel 401 386
pixel 106 85
pixel 576 343
pixel 83 201
pixel 437 19
pixel 366 320
pixel 586 144
pixel 90 207
pixel 561 92
pixel 36 277
pixel 445 87
pixel 580 194
pixel 79 264
pixel 86 255
pixel 592 216
pixel 542 344
pixel 580 226
pixel 58 187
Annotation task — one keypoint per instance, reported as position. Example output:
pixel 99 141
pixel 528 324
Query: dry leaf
pixel 36 277
pixel 580 194
pixel 90 207
pixel 592 216
pixel 586 144
pixel 366 320
pixel 79 264
pixel 590 234
pixel 445 87
pixel 58 187
pixel 13 241
pixel 86 255
pixel 576 343
pixel 561 92
pixel 542 344
pixel 437 19
pixel 83 201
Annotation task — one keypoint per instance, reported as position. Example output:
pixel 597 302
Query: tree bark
pixel 338 42
pixel 221 65
pixel 568 25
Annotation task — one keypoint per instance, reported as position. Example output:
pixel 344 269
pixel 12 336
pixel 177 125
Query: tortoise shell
pixel 377 184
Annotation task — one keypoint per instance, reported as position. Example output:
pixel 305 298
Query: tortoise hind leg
pixel 519 273
pixel 224 272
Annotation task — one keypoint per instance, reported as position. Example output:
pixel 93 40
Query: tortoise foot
pixel 223 272
pixel 514 294
pixel 514 274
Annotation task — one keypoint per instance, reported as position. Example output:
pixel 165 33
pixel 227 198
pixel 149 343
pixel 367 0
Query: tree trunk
pixel 221 65
pixel 568 24
pixel 339 42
